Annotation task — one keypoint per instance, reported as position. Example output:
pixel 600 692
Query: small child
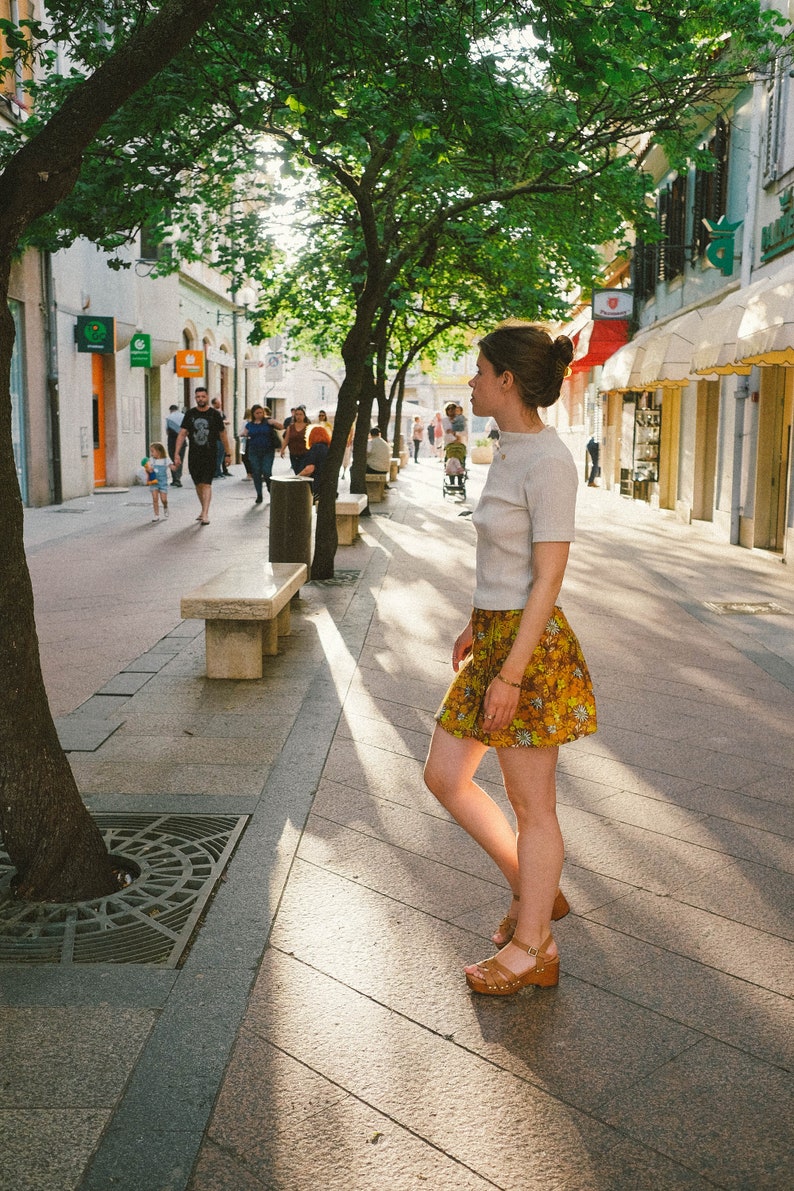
pixel 454 470
pixel 157 470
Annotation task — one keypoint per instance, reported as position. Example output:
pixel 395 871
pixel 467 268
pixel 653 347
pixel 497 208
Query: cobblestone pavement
pixel 319 1033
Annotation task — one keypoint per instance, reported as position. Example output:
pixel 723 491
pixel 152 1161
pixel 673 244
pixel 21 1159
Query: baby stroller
pixel 455 473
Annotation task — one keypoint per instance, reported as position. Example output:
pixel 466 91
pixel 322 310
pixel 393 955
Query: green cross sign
pixel 95 334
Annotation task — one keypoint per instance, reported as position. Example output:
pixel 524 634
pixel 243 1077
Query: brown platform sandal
pixel 507 927
pixel 499 981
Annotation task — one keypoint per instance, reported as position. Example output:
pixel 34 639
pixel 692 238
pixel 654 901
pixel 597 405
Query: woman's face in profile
pixel 485 388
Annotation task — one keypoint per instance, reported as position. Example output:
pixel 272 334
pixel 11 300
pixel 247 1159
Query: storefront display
pixel 639 457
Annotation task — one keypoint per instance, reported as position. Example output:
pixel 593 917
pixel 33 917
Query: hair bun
pixel 563 349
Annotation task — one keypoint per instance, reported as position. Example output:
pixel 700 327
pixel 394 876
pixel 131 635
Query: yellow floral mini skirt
pixel 556 703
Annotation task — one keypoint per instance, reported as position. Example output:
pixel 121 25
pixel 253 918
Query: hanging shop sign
pixel 721 249
pixel 95 334
pixel 778 237
pixel 612 303
pixel 217 356
pixel 141 351
pixel 190 363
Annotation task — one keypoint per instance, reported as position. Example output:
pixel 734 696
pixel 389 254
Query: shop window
pixel 665 259
pixel 644 270
pixel 672 223
pixel 777 91
pixel 711 189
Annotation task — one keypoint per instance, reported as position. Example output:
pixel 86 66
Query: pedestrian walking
pixel 594 451
pixel 241 438
pixel 156 467
pixel 261 438
pixel 522 686
pixel 221 462
pixel 294 442
pixel 438 434
pixel 417 434
pixel 203 427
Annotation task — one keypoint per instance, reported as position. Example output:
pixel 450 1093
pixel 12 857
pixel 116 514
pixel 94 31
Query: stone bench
pixel 348 510
pixel 376 486
pixel 246 610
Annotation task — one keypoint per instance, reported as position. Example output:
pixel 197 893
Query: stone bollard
pixel 291 520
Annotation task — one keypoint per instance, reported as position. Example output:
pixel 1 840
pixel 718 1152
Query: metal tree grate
pixel 747 608
pixel 151 921
pixel 340 579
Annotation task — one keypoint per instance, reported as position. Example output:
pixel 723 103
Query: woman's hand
pixel 499 705
pixel 462 647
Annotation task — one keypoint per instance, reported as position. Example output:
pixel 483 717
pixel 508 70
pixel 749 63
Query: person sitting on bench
pixel 378 453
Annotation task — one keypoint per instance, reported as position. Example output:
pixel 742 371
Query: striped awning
pixel 622 370
pixel 766 332
pixel 715 347
pixel 667 360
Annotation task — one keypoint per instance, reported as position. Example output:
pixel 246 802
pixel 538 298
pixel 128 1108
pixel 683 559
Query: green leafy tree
pixel 421 118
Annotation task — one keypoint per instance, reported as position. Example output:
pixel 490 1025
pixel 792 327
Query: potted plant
pixel 482 451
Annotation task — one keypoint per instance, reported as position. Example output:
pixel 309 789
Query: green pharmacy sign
pixel 95 335
pixel 141 351
pixel 778 237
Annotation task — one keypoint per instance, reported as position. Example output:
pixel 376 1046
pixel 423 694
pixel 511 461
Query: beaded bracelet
pixel 507 682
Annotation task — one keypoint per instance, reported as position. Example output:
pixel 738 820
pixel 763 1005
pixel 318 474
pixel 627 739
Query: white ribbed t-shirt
pixel 529 496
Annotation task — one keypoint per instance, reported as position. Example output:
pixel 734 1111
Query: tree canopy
pixel 452 159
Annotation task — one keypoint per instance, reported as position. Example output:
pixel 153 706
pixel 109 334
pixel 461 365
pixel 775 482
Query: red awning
pixel 597 341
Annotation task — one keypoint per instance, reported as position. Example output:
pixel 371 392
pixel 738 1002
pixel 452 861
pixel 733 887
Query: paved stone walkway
pixel 320 1033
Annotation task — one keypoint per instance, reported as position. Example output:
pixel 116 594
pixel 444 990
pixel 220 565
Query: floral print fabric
pixel 556 703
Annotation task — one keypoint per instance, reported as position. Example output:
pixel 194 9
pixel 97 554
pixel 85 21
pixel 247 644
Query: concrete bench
pixel 376 487
pixel 246 610
pixel 348 510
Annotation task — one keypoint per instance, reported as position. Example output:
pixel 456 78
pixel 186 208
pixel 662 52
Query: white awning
pixel 715 348
pixel 667 360
pixel 766 331
pixel 622 370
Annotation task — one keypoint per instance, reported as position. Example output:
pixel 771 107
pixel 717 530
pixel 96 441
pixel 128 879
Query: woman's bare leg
pixel 530 781
pixel 449 772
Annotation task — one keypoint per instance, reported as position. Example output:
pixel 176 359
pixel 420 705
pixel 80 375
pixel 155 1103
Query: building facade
pixel 696 409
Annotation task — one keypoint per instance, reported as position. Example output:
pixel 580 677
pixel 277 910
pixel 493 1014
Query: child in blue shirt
pixel 156 467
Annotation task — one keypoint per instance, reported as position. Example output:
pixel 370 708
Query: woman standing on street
pixel 295 439
pixel 261 441
pixel 417 434
pixel 522 685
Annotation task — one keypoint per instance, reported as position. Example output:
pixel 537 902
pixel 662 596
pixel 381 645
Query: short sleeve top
pixel 529 496
pixel 261 436
pixel 204 427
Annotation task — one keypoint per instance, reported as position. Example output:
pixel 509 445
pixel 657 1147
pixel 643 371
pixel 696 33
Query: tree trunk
pixel 398 414
pixel 366 398
pixel 347 409
pixel 53 842
pixel 51 839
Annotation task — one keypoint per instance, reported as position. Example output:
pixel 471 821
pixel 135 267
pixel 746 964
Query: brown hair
pixel 538 362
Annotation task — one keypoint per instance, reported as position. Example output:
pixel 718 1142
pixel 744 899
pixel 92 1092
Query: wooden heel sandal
pixel 499 981
pixel 507 927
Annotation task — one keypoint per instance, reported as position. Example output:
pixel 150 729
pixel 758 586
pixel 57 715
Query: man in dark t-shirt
pixel 202 426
